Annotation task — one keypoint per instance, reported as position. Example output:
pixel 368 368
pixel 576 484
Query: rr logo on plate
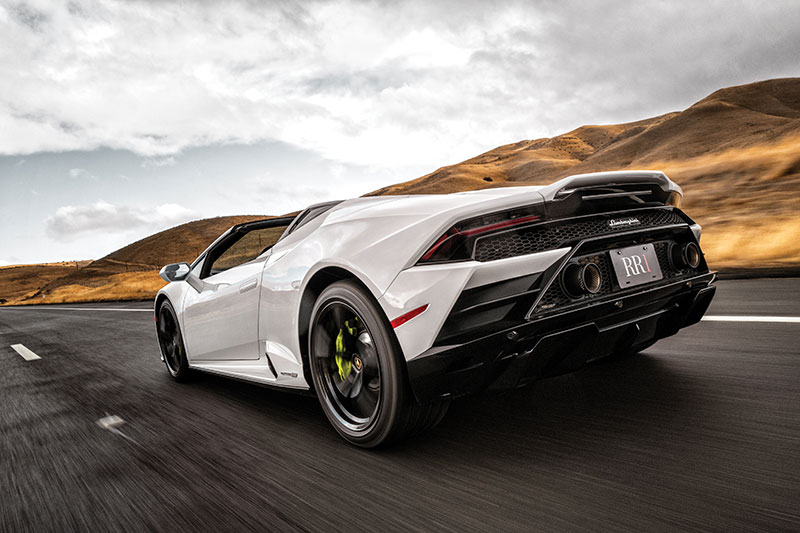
pixel 636 265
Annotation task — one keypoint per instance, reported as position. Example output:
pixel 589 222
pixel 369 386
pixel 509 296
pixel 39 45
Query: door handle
pixel 248 285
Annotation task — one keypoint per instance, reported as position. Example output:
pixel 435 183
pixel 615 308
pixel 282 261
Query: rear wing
pixel 619 179
pixel 608 192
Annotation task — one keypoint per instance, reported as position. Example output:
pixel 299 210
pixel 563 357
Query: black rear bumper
pixel 561 342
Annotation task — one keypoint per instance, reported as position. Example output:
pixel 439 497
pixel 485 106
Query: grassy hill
pixel 736 153
pixel 726 122
pixel 17 281
pixel 129 273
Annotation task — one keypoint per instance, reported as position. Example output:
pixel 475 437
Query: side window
pixel 248 247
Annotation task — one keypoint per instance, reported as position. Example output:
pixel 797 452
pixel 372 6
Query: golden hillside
pixel 129 273
pixel 736 154
pixel 16 281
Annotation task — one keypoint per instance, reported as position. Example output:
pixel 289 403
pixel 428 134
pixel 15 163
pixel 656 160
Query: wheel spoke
pixel 338 318
pixel 370 373
pixel 358 385
pixel 364 404
pixel 320 341
pixel 346 386
pixel 364 345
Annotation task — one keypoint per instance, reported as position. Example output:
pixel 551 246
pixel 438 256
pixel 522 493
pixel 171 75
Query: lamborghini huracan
pixel 387 308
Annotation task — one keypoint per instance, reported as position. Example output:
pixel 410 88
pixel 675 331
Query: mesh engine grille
pixel 551 236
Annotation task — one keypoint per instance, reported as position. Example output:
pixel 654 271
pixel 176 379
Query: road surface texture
pixel 701 431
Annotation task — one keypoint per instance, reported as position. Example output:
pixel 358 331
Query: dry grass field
pixel 130 273
pixel 18 281
pixel 736 154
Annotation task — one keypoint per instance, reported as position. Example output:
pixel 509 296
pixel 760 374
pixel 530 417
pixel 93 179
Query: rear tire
pixel 359 373
pixel 170 340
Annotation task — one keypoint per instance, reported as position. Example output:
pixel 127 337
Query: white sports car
pixel 389 307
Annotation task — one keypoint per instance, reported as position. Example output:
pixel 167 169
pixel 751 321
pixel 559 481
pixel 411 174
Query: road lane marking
pixel 112 423
pixel 751 318
pixel 47 308
pixel 24 352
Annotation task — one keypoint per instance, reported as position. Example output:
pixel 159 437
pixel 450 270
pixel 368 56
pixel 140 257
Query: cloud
pixel 70 222
pixel 366 83
pixel 158 162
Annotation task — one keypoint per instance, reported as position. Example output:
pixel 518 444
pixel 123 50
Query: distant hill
pixel 17 281
pixel 128 273
pixel 181 243
pixel 736 153
pixel 729 120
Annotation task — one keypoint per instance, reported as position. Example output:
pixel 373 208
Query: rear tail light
pixel 457 243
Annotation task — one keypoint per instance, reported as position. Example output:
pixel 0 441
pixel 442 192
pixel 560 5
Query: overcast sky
pixel 118 119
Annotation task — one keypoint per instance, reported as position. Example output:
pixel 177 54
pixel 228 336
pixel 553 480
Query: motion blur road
pixel 700 431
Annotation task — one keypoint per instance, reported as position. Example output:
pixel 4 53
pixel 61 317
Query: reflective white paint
pixel 221 321
pixel 24 352
pixel 755 318
pixel 376 239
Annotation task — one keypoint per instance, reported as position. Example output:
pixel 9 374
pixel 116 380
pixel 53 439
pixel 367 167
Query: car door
pixel 221 320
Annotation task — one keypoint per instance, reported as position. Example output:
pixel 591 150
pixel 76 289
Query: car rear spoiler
pixel 569 185
pixel 607 192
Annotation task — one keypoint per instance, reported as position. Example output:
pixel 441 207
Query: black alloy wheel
pixel 358 370
pixel 348 365
pixel 170 341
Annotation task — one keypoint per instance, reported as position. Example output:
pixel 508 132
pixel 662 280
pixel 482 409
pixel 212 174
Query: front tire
pixel 359 372
pixel 170 340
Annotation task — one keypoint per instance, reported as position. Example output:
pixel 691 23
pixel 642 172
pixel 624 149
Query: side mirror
pixel 175 272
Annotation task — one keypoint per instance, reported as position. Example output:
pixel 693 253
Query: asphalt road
pixel 702 431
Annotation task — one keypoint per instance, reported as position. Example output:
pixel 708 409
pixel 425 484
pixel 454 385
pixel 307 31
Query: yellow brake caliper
pixel 343 362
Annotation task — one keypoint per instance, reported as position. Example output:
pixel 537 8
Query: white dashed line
pixel 24 352
pixel 737 318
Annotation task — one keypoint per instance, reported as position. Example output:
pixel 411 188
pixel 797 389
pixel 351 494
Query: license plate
pixel 636 265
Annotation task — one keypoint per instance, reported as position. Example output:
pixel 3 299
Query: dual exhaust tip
pixel 581 279
pixel 585 279
pixel 684 255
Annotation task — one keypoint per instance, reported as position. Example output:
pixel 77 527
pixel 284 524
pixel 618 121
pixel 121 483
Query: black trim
pixel 483 310
pixel 595 249
pixel 561 342
pixel 230 237
pixel 564 233
pixel 309 214
pixel 491 306
pixel 606 198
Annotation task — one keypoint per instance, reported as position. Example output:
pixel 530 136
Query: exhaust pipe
pixel 579 280
pixel 684 255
